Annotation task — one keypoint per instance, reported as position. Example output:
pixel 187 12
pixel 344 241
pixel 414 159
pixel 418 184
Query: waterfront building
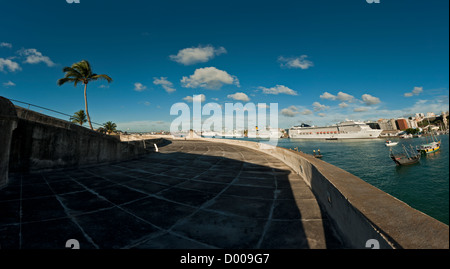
pixel 412 123
pixel 387 124
pixel 402 124
pixel 444 119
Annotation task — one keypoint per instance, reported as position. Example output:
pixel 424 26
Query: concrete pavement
pixel 191 195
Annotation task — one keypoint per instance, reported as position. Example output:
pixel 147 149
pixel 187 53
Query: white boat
pixel 389 143
pixel 406 136
pixel 266 133
pixel 208 134
pixel 343 130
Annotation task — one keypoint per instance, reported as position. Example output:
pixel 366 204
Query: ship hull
pixel 348 131
pixel 338 136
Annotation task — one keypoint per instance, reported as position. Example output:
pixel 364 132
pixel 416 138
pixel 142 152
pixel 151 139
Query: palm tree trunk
pixel 86 107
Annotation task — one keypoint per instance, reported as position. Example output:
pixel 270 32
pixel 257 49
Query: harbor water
pixel 424 186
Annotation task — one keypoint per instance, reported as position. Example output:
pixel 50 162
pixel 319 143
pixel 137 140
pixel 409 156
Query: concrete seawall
pixel 8 122
pixel 32 141
pixel 359 210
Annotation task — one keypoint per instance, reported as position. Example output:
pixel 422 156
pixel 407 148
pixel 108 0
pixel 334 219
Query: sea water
pixel 424 186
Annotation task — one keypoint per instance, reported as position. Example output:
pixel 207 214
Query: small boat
pixel 389 143
pixel 406 158
pixel 429 148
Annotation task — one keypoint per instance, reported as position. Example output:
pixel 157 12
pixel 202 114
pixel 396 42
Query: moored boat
pixel 429 147
pixel 343 130
pixel 406 158
pixel 389 143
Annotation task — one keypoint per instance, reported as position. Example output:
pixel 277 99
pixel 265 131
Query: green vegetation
pixel 412 131
pixel 81 72
pixel 79 117
pixel 109 127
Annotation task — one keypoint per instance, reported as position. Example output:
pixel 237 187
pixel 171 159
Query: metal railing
pixel 52 110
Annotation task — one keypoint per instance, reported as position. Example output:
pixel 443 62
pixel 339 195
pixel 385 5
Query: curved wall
pixel 360 211
pixel 41 142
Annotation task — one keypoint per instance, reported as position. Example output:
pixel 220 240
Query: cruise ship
pixel 343 130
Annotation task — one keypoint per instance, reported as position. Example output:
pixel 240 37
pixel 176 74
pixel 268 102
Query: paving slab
pixel 192 194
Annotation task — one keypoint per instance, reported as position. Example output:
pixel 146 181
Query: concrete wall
pixel 8 122
pixel 359 210
pixel 41 142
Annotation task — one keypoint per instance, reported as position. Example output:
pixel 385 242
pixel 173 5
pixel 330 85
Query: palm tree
pixel 81 72
pixel 101 130
pixel 109 127
pixel 79 117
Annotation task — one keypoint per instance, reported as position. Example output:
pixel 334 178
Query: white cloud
pixel 415 91
pixel 9 84
pixel 307 112
pixel 322 114
pixel 209 78
pixel 295 62
pixel 370 100
pixel 342 96
pixel 189 56
pixel 240 96
pixel 278 89
pixel 190 98
pixel 290 111
pixel 139 87
pixel 262 105
pixel 343 105
pixel 5 45
pixel 34 57
pixel 167 85
pixel 8 64
pixel 328 96
pixel 360 109
pixel 318 107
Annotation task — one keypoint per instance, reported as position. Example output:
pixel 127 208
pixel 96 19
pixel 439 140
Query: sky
pixel 321 61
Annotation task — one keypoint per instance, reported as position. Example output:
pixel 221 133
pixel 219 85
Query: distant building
pixel 431 115
pixel 412 124
pixel 387 124
pixel 444 119
pixel 402 124
pixel 419 117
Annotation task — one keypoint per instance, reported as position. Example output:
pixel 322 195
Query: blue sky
pixel 322 61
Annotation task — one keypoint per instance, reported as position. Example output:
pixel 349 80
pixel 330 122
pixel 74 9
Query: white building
pixel 413 124
pixel 431 115
pixel 387 124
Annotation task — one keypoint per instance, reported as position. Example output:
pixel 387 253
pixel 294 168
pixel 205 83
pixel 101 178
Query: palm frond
pixel 81 72
pixel 87 66
pixel 64 80
pixel 81 68
pixel 102 76
pixel 71 72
